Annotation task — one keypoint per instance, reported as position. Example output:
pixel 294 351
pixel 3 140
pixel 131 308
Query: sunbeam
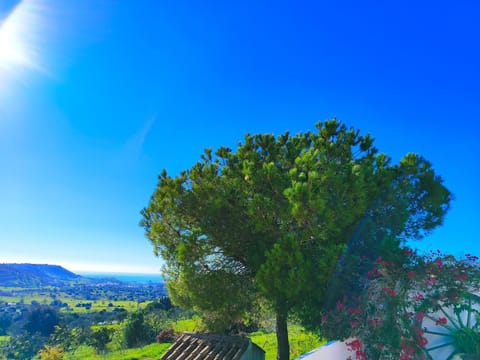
pixel 21 34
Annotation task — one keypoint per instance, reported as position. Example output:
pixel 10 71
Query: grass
pixel 188 325
pixel 96 305
pixel 11 288
pixel 301 342
pixel 113 327
pixel 148 352
pixel 26 299
pixel 99 305
pixel 4 338
pixel 43 296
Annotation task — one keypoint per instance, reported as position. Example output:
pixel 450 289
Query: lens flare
pixel 12 50
pixel 21 35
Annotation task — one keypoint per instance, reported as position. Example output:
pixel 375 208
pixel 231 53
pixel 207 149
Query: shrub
pixel 386 319
pixel 41 319
pixel 100 338
pixel 51 353
pixel 137 332
pixel 166 336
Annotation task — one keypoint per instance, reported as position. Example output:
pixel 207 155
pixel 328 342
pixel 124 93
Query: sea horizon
pixel 123 276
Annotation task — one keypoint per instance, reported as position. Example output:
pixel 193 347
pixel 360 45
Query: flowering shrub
pixel 386 319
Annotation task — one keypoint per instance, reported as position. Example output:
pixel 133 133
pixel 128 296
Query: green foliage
pixel 467 342
pixel 24 346
pixel 51 353
pixel 100 338
pixel 64 337
pixel 30 322
pixel 118 337
pixel 163 304
pixel 41 319
pixel 5 322
pixel 271 220
pixel 387 318
pixel 137 332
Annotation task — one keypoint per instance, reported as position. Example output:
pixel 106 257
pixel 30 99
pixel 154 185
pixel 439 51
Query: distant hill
pixel 32 275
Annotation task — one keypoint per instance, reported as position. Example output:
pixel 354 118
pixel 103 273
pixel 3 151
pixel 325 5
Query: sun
pixel 19 46
pixel 12 50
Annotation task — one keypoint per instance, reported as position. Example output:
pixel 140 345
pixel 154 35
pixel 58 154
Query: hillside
pixel 33 275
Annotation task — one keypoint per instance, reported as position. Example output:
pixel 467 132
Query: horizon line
pixel 91 268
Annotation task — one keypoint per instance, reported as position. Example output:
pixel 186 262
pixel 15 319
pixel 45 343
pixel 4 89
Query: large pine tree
pixel 271 219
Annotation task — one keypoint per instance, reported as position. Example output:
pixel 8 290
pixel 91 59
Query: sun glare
pixel 20 35
pixel 12 49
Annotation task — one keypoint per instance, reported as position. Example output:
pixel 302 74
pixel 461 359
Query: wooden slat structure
pixel 191 346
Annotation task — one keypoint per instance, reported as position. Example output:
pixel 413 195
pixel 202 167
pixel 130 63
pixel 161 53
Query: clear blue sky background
pixel 115 91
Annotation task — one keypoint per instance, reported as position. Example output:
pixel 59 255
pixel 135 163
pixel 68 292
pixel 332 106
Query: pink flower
pixel 419 297
pixel 355 344
pixel 374 322
pixel 434 280
pixel 462 277
pixel 354 310
pixel 407 353
pixel 421 341
pixel 417 330
pixel 419 317
pixel 360 355
pixel 389 291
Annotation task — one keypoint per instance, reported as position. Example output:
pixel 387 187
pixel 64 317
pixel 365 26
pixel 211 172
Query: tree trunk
pixel 283 346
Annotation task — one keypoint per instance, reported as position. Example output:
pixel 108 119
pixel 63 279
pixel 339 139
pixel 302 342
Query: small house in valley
pixel 212 346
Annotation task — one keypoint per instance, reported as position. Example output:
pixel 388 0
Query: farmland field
pixel 107 320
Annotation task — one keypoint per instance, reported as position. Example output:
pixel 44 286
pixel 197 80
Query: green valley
pixel 67 316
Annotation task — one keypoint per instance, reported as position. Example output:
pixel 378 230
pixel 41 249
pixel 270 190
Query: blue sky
pixel 97 97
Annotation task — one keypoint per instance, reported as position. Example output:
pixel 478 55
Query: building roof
pixel 207 347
